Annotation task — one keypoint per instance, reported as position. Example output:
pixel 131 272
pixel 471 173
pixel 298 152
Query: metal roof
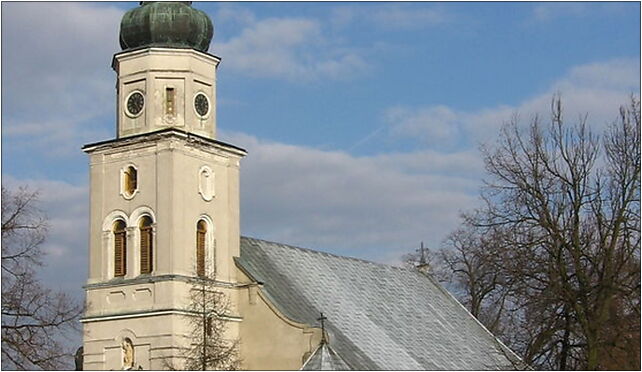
pixel 325 359
pixel 378 316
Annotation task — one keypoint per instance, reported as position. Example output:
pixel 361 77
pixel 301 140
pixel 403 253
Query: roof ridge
pixel 330 254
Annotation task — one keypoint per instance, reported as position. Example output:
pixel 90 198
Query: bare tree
pixel 210 349
pixel 33 317
pixel 469 258
pixel 465 265
pixel 557 241
pixel 207 315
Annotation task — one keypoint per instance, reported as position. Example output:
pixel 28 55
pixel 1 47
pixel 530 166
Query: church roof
pixel 378 316
pixel 325 359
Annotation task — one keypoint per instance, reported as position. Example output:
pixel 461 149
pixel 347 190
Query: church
pixel 164 211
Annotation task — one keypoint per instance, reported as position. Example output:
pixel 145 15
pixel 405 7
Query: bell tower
pixel 164 194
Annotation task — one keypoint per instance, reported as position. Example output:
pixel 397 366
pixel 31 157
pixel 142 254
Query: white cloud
pixel 288 48
pixel 67 210
pixel 549 11
pixel 409 17
pixel 50 53
pixel 435 125
pixel 343 15
pixel 232 13
pixel 389 17
pixel 597 89
pixel 616 75
pixel 376 207
pixel 50 81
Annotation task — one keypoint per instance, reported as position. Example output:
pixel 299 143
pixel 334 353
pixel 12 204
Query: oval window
pixel 129 181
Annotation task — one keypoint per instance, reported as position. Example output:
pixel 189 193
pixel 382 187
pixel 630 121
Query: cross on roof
pixel 422 259
pixel 322 319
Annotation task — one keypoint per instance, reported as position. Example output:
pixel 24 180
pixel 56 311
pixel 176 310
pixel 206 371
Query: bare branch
pixel 550 263
pixel 33 317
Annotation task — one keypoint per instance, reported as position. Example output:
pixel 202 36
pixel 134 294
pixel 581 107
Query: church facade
pixel 164 211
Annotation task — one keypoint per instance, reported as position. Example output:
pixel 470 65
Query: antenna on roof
pixel 322 319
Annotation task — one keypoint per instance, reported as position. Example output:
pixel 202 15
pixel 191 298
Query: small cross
pixel 422 259
pixel 322 320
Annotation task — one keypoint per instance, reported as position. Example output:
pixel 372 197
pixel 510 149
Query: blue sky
pixel 362 120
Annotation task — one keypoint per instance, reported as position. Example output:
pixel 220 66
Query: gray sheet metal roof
pixel 379 316
pixel 325 359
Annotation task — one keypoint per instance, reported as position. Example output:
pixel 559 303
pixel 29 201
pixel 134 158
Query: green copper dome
pixel 166 24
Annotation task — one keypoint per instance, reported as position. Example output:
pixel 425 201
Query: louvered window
pixel 146 246
pixel 120 249
pixel 170 101
pixel 201 231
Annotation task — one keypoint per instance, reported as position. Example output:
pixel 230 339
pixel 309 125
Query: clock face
pixel 135 103
pixel 201 104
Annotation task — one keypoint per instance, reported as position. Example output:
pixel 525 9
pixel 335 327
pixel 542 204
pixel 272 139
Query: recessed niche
pixel 206 183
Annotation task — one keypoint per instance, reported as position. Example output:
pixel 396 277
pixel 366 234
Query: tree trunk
pixel 565 342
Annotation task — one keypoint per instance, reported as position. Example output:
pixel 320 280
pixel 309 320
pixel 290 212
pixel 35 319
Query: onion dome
pixel 166 24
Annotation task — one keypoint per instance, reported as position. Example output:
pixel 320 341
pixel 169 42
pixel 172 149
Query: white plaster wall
pixel 168 167
pixel 158 341
pixel 168 186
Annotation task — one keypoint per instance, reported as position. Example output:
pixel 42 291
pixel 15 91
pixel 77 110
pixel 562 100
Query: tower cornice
pixel 163 134
pixel 135 53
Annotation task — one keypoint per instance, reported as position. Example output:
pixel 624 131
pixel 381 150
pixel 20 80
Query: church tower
pixel 164 194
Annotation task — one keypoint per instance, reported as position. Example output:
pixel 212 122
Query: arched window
pixel 128 354
pixel 120 248
pixel 201 231
pixel 146 245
